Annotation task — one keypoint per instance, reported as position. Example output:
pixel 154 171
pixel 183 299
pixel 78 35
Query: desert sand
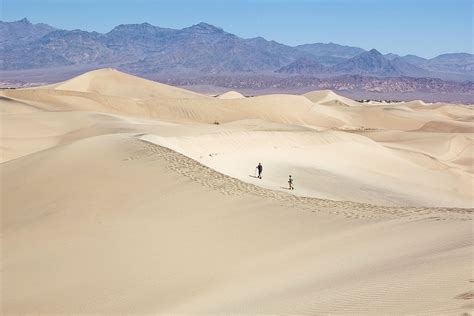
pixel 123 195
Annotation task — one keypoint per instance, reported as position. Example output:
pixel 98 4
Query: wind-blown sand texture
pixel 123 195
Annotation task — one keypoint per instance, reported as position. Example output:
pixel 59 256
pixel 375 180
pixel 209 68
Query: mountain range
pixel 206 57
pixel 207 49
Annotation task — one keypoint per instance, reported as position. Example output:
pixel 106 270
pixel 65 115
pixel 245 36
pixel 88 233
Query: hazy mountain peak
pixel 372 54
pixel 302 66
pixel 454 56
pixel 411 55
pixel 391 56
pixel 335 52
pixel 257 40
pixel 24 21
pixel 22 31
pixel 375 52
pixel 371 62
pixel 141 26
pixel 203 27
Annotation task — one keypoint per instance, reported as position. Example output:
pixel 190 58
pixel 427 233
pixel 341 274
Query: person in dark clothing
pixel 259 169
pixel 290 184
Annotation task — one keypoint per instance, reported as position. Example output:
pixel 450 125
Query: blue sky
pixel 423 27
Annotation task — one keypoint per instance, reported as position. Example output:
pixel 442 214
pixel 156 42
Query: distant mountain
pixel 144 48
pixel 374 63
pixel 454 62
pixel 272 47
pixel 22 31
pixel 407 69
pixel 331 49
pixel 137 40
pixel 440 66
pixel 391 56
pixel 366 63
pixel 59 48
pixel 302 66
pixel 453 58
pixel 415 60
pixel 371 62
pixel 330 54
pixel 457 66
pixel 337 83
pixel 204 49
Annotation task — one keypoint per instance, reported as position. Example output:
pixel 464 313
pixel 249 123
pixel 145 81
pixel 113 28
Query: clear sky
pixel 422 27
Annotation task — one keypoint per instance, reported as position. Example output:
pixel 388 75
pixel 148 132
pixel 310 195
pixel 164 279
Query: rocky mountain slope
pixel 204 49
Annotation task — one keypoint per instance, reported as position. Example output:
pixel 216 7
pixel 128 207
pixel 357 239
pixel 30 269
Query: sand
pixel 231 95
pixel 122 195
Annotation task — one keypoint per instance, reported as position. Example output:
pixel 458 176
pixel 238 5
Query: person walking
pixel 259 169
pixel 290 184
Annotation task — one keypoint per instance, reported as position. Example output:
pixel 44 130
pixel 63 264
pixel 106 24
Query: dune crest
pixel 109 81
pixel 328 97
pixel 231 95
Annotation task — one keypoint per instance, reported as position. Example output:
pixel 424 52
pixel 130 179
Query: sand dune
pixel 296 133
pixel 134 232
pixel 122 195
pixel 374 173
pixel 328 97
pixel 415 104
pixel 9 106
pixel 110 91
pixel 231 95
pixel 288 109
pixel 112 82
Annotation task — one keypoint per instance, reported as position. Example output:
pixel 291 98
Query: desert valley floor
pixel 123 195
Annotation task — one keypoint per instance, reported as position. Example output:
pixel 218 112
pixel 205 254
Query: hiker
pixel 259 169
pixel 290 184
